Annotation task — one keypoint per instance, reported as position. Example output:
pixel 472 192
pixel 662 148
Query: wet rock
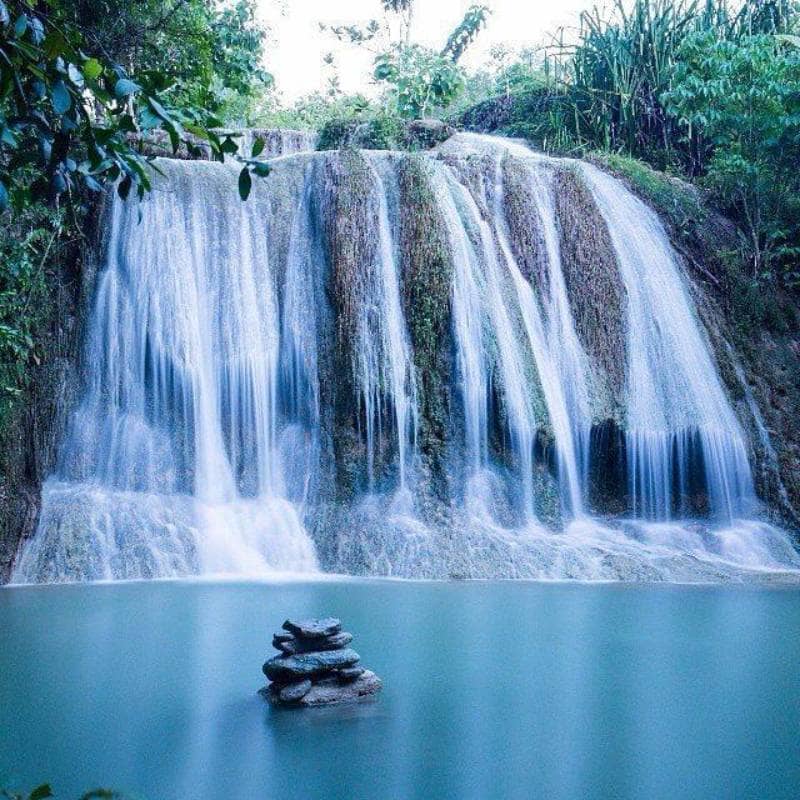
pixel 349 674
pixel 335 642
pixel 328 691
pixel 293 692
pixel 285 669
pixel 315 666
pixel 422 134
pixel 313 628
pixel 289 644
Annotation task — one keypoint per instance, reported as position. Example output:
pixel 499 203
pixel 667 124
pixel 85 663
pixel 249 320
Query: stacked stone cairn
pixel 316 666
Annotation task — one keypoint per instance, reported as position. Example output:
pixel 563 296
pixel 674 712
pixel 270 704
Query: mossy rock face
pixel 31 425
pixel 750 326
pixel 423 134
pixel 525 227
pixel 381 132
pixel 348 212
pixel 427 276
pixel 591 273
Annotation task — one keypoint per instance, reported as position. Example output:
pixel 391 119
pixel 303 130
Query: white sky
pixel 297 48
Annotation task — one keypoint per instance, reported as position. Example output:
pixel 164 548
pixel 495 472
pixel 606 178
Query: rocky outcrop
pixel 427 277
pixel 754 330
pixel 596 292
pixel 33 423
pixel 383 132
pixel 315 666
pixel 334 206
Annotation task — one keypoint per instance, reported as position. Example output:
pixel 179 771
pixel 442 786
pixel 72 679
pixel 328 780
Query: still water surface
pixel 492 690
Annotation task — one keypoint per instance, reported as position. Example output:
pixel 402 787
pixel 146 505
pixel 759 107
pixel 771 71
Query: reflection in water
pixel 507 690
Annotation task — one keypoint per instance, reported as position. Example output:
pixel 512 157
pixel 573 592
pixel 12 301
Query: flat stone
pixel 329 690
pixel 349 674
pixel 287 669
pixel 289 647
pixel 313 628
pixel 293 646
pixel 335 642
pixel 282 636
pixel 293 692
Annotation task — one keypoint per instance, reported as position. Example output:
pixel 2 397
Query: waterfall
pixel 386 370
pixel 558 355
pixel 172 462
pixel 677 411
pixel 255 398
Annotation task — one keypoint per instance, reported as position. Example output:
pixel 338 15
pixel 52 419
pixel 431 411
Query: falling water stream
pixel 212 433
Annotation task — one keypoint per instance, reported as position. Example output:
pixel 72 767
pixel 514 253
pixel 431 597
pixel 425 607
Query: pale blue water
pixel 492 690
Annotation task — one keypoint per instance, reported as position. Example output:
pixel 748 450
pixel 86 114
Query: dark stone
pixel 349 674
pixel 336 642
pixel 293 692
pixel 286 669
pixel 329 690
pixel 291 646
pixel 313 628
pixel 422 134
pixel 282 636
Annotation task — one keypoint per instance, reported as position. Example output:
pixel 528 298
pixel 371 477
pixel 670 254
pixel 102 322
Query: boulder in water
pixel 315 666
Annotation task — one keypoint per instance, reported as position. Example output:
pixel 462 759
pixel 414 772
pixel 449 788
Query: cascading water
pixel 255 401
pixel 385 367
pixel 172 465
pixel 677 412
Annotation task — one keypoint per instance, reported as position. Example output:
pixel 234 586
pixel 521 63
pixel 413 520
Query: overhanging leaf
pixel 245 183
pixel 125 87
pixel 62 101
pixel 92 69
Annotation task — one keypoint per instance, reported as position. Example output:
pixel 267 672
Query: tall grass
pixel 612 79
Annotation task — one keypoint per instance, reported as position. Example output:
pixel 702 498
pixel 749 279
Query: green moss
pixel 678 201
pixel 40 296
pixel 376 131
pixel 594 286
pixel 427 272
pixel 525 228
pixel 348 218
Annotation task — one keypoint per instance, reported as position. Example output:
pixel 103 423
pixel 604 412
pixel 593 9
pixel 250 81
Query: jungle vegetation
pixel 707 90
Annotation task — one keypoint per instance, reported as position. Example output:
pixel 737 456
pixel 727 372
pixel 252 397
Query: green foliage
pixel 466 32
pixel 66 117
pixel 35 236
pixel 741 101
pixel 373 129
pixel 419 78
pixel 210 53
